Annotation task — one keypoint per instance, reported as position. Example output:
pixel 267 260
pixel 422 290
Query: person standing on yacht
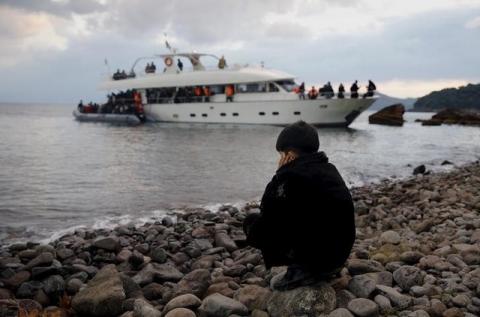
pixel 229 92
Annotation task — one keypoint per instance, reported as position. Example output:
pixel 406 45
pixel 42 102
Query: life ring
pixel 168 61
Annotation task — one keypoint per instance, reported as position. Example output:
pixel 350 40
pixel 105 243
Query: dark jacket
pixel 306 216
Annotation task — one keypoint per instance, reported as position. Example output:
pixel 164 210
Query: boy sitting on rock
pixel 306 218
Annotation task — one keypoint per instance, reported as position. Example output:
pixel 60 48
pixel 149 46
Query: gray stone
pixel 157 272
pixel 43 259
pixel 217 305
pixel 383 303
pixel 222 239
pixel 361 286
pixel 419 313
pixel 189 301
pixel 181 312
pixel 253 296
pixel 340 312
pixel 158 255
pixel 391 237
pixel 361 266
pixel 64 253
pixel 196 282
pixel 461 300
pixel 309 301
pixel 28 289
pixel 110 243
pixel 141 308
pixel 411 257
pixel 74 285
pixel 103 295
pixel 54 285
pixel 343 297
pixel 408 276
pixel 399 300
pixel 363 307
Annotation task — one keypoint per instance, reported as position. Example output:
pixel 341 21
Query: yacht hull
pixel 319 112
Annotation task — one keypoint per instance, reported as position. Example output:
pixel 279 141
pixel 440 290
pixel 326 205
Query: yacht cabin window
pixel 251 87
pixel 287 84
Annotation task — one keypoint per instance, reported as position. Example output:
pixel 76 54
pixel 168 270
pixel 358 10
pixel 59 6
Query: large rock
pixel 391 115
pixel 180 312
pixel 222 239
pixel 363 307
pixel 362 285
pixel 196 282
pixel 44 259
pixel 110 243
pixel 253 296
pixel 217 305
pixel 302 301
pixel 157 272
pixel 103 295
pixel 408 276
pixel 183 301
pixel 454 116
pixel 399 300
pixel 141 308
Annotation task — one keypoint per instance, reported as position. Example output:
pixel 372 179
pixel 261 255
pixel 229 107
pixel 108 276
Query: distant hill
pixel 465 97
pixel 385 101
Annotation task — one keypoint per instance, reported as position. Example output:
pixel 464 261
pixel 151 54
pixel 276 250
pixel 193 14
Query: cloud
pixel 392 42
pixel 22 35
pixel 473 23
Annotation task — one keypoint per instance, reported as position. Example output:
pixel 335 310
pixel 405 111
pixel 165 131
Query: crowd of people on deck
pixel 118 75
pixel 328 92
pixel 124 102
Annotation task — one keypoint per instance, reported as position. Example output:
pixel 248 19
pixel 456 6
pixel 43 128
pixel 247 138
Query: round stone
pixel 390 236
pixel 363 307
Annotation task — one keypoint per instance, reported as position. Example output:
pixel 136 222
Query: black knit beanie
pixel 300 137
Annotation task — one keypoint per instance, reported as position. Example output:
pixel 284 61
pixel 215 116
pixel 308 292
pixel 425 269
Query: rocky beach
pixel 417 254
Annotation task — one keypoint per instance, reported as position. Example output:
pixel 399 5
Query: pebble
pixel 363 307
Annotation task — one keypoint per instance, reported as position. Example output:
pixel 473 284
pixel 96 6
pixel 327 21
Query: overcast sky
pixel 54 50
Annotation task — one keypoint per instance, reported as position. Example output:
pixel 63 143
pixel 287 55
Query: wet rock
pixel 221 288
pixel 180 312
pixel 363 307
pixel 411 257
pixel 343 297
pixel 136 258
pixel 408 276
pixel 310 301
pixel 391 115
pixel 421 169
pixel 196 282
pixel 5 294
pixel 123 256
pixel 65 253
pixel 110 243
pixel 253 296
pixel 103 295
pixel 217 305
pixel 235 270
pixel 40 272
pixel 153 291
pixel 44 259
pixel 259 313
pixel 189 301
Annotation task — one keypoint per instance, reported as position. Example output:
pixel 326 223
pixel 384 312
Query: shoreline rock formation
pixel 391 115
pixel 417 253
pixel 453 116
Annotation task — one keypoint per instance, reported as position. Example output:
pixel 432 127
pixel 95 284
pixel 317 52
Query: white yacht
pixel 258 95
